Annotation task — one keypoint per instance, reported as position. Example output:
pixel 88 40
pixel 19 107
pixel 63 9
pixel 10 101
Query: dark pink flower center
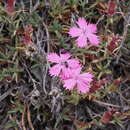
pixel 85 31
pixel 64 63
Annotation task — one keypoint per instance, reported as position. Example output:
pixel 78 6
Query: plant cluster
pixel 64 65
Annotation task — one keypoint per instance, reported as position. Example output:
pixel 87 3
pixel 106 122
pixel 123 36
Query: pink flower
pixel 63 64
pixel 81 81
pixel 84 33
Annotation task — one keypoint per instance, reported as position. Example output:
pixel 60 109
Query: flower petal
pixel 55 70
pixel 74 73
pixel 53 57
pixel 73 63
pixel 66 72
pixel 69 84
pixel 75 32
pixel 65 57
pixel 82 87
pixel 94 39
pixel 86 77
pixel 82 23
pixel 92 28
pixel 81 41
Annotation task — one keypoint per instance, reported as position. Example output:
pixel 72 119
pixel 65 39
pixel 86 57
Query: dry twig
pixel 23 117
pixel 106 104
pixel 29 118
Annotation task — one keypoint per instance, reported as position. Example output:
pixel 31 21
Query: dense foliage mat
pixel 34 35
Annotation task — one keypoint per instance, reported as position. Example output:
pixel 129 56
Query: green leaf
pixel 11 70
pixel 36 66
pixel 11 124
